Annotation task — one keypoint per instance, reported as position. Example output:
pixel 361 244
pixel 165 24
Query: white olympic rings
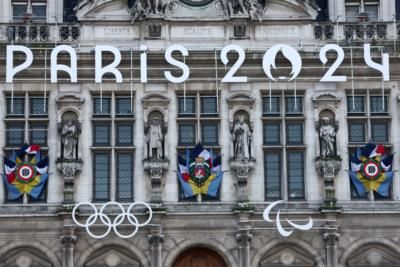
pixel 112 224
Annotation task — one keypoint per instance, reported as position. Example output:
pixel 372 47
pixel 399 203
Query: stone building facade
pixel 109 160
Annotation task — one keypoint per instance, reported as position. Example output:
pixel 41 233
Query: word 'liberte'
pixel 290 53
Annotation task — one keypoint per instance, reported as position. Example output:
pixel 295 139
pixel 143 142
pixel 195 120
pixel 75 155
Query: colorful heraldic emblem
pixel 371 170
pixel 25 177
pixel 200 172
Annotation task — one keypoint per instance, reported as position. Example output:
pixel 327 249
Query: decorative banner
pixel 279 226
pixel 200 172
pixel 371 170
pixel 112 224
pixel 25 177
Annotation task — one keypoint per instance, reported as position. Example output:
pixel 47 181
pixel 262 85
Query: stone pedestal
pixel 242 168
pixel 155 169
pixel 328 168
pixel 68 169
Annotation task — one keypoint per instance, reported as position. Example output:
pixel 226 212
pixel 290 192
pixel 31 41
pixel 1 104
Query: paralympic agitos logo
pixel 268 63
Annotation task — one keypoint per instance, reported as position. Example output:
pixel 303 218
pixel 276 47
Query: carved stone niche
pixel 241 119
pixel 69 121
pixel 69 107
pixel 328 161
pixel 326 105
pixel 155 161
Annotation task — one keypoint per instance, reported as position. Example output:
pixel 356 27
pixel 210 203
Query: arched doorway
pixel 199 257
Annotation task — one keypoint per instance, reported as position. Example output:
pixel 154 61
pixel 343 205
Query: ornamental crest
pixel 200 172
pixel 371 170
pixel 25 172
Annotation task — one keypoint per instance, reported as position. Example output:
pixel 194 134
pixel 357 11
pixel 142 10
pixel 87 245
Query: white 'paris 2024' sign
pixel 268 63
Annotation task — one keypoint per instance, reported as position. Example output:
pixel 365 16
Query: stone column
pixel 243 237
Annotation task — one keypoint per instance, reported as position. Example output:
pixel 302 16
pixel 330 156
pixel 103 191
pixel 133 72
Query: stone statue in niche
pixel 154 139
pixel 241 138
pixel 327 138
pixel 69 139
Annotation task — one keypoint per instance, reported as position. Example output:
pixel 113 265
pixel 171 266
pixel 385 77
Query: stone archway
pixel 199 257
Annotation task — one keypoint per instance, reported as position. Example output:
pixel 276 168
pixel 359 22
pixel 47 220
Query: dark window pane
pixel 19 11
pixel 124 134
pixel 398 9
pixel 69 12
pixel 380 132
pixel 187 134
pixel 101 134
pixel 38 134
pixel 272 171
pixel 101 176
pixel 271 105
pixel 124 176
pixel 272 133
pixel 15 134
pixel 209 134
pixel 372 11
pixel 294 105
pixel 123 106
pixel 38 106
pixel 38 12
pixel 377 105
pixel 357 132
pixel 102 106
pixel 187 106
pixel 294 133
pixel 16 106
pixel 358 106
pixel 295 170
pixel 208 105
pixel 352 13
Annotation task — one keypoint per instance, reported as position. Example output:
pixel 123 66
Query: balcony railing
pixel 22 33
pixel 365 31
pixel 359 31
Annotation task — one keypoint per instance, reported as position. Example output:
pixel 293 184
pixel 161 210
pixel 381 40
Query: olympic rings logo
pixel 108 222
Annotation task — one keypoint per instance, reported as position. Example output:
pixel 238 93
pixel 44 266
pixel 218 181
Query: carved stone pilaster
pixel 243 238
pixel 68 240
pixel 69 169
pixel 155 169
pixel 331 236
pixel 328 169
pixel 156 240
pixel 156 237
pixel 242 169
